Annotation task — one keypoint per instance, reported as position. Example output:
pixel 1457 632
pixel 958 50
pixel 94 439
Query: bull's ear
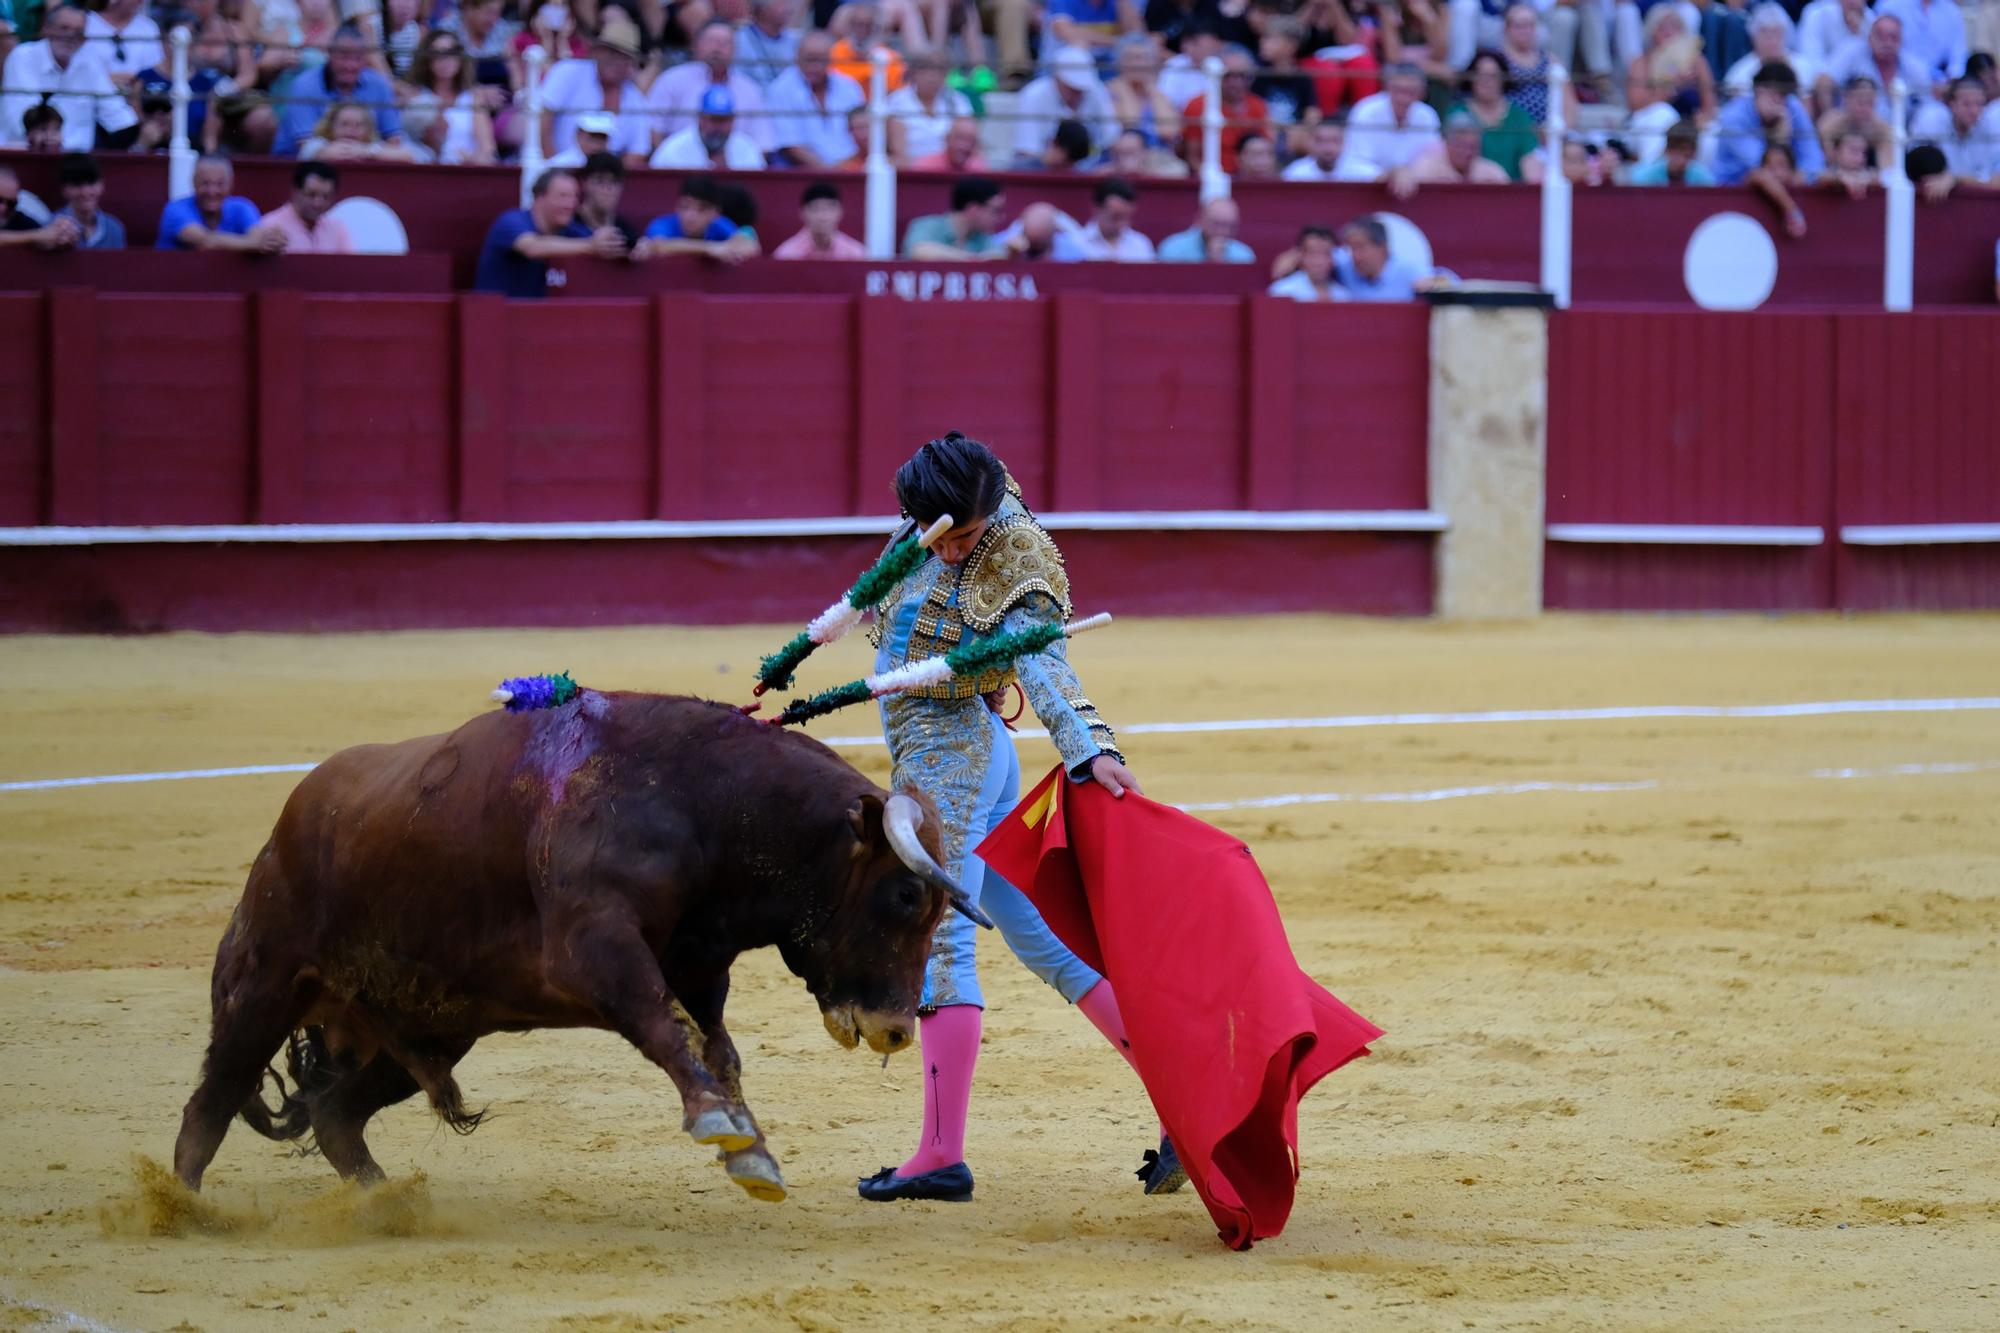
pixel 865 818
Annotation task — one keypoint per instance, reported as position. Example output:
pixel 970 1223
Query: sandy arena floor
pixel 1712 1051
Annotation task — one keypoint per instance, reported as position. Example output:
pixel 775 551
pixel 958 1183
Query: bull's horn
pixel 900 818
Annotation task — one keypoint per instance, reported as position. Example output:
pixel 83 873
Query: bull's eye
pixel 909 899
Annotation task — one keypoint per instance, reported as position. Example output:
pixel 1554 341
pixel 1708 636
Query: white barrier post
pixel 180 153
pixel 531 142
pixel 1556 203
pixel 1214 180
pixel 1899 259
pixel 879 212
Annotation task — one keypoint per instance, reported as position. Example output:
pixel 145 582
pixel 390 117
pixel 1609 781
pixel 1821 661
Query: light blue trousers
pixel 952 976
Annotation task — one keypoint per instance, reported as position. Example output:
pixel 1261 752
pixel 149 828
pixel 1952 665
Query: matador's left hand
pixel 1113 776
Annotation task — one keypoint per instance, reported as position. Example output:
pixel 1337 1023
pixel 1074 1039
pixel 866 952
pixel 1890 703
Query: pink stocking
pixel 1100 1005
pixel 950 1041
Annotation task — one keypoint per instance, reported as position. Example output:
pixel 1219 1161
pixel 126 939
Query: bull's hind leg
pixel 605 963
pixel 252 1018
pixel 342 1112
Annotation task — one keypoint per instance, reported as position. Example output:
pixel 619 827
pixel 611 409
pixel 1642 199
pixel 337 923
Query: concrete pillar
pixel 1489 449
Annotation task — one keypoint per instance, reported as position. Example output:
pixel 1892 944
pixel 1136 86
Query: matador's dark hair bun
pixel 954 475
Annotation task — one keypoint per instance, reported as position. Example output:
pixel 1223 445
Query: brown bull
pixel 598 865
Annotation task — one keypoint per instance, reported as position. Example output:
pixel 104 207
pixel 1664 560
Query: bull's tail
pixel 313 1072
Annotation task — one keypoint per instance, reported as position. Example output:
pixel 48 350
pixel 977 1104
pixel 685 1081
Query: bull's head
pixel 873 951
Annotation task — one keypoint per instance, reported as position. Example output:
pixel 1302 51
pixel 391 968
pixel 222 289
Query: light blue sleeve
pixel 1811 158
pixel 1055 693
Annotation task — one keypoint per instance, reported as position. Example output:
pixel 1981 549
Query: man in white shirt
pixel 71 77
pixel 809 106
pixel 713 142
pixel 126 38
pixel 1071 90
pixel 1109 234
pixel 1771 41
pixel 1933 32
pixel 1827 26
pixel 676 95
pixel 1957 128
pixel 1392 128
pixel 767 45
pixel 1326 158
pixel 573 89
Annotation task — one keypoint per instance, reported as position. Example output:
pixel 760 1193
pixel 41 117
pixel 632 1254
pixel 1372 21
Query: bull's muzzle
pixel 885 1032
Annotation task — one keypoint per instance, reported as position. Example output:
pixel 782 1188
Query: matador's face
pixel 957 544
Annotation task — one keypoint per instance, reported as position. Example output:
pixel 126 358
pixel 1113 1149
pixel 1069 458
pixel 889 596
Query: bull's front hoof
pixel 754 1170
pixel 717 1128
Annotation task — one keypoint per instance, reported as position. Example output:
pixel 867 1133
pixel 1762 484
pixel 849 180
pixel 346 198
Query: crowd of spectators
pixel 1782 95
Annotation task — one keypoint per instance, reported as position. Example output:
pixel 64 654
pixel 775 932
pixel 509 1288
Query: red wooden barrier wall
pixel 1772 419
pixel 1628 242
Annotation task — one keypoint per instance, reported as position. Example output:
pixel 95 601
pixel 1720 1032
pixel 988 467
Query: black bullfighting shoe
pixel 1162 1172
pixel 947 1184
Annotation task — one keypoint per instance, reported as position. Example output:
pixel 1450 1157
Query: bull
pixel 599 864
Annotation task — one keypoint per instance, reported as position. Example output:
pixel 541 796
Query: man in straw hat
pixel 599 87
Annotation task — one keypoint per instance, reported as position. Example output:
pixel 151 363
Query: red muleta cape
pixel 1227 1032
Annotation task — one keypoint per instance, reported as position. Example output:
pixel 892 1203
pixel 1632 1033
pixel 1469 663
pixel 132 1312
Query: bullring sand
pixel 1709 1045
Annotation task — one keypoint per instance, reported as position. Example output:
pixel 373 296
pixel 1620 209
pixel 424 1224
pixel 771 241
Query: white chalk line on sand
pixel 1821 708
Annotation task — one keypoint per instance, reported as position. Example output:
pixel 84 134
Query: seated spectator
pixel 1771 41
pixel 1110 235
pixel 514 261
pixel 1770 113
pixel 767 45
pixel 1069 147
pixel 1392 128
pixel 1326 158
pixel 1181 77
pixel 128 39
pixel 574 89
pixel 1137 99
pixel 696 227
pixel 346 77
pixel 739 209
pixel 1070 90
pixel 65 73
pixel 304 221
pixel 214 219
pixel 83 197
pixel 713 142
pixel 1310 276
pixel 1775 176
pixel 594 130
pixel 296 38
pixel 1287 90
pixel 1345 59
pixel 601 189
pixel 1848 164
pixel 213 63
pixel 1880 56
pixel 1959 130
pixel 1256 158
pixel 155 131
pixel 488 39
pixel 347 132
pixel 553 28
pixel 820 237
pixel 857 29
pixel 922 111
pixel 443 78
pixel 403 32
pixel 1092 25
pixel 17 229
pixel 1454 161
pixel 1243 112
pixel 809 106
pixel 1368 272
pixel 1933 36
pixel 1211 240
pixel 960 152
pixel 1827 26
pixel 1584 164
pixel 1671 69
pixel 1129 155
pixel 1676 166
pixel 1859 111
pixel 675 97
pixel 1507 133
pixel 1042 232
pixel 967 232
pixel 1528 64
pixel 44 127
